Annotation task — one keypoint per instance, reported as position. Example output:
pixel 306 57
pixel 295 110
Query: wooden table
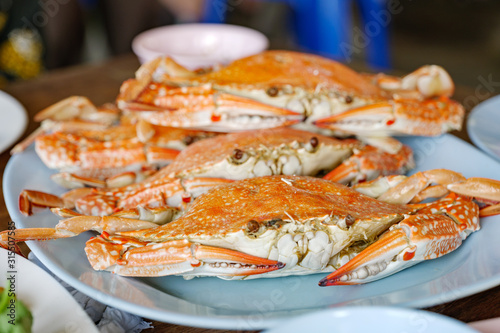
pixel 101 82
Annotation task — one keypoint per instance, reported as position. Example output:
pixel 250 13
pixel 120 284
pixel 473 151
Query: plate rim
pixel 337 313
pixel 22 113
pixel 475 138
pixel 224 321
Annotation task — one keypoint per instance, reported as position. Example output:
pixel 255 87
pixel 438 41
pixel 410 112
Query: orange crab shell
pixel 278 69
pixel 268 201
pixel 202 154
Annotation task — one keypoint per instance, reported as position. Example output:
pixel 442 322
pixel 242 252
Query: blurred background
pixel 461 35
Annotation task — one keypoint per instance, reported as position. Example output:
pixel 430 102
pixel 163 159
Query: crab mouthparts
pixel 379 116
pixel 358 275
pixel 262 118
pixel 217 261
pixel 236 269
pixel 240 120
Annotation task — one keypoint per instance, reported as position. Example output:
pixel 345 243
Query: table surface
pixel 101 82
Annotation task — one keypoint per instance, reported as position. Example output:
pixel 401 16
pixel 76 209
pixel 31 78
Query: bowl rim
pixel 142 51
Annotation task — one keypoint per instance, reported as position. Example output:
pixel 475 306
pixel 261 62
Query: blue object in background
pixel 325 27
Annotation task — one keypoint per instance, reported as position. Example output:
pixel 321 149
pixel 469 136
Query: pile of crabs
pixel 278 164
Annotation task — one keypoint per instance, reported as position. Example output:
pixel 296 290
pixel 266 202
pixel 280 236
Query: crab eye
pixel 253 229
pixel 239 156
pixel 188 140
pixel 253 226
pixel 348 99
pixel 272 92
pixel 349 220
pixel 312 144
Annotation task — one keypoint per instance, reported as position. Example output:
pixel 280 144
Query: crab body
pixel 304 226
pixel 231 157
pixel 315 87
pixel 312 226
pixel 261 153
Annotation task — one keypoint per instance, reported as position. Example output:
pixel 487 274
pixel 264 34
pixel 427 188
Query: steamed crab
pixel 286 225
pixel 326 93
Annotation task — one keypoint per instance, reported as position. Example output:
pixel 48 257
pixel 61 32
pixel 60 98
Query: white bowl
pixel 199 45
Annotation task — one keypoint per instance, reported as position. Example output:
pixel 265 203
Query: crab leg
pixel 73 226
pixel 207 109
pixel 402 190
pixel 416 188
pixel 429 117
pixel 61 150
pixel 164 192
pixel 142 217
pixel 369 162
pixel 118 254
pixel 418 237
pixel 22 235
pixel 172 192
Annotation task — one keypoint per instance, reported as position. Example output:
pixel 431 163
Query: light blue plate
pixel 373 319
pixel 263 303
pixel 483 126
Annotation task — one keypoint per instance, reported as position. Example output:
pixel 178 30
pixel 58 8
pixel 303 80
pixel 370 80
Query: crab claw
pixel 206 109
pixel 68 108
pixel 483 190
pixel 417 238
pixel 71 115
pixel 430 80
pixel 427 81
pixel 30 200
pixel 118 254
pixel 430 117
pixel 369 163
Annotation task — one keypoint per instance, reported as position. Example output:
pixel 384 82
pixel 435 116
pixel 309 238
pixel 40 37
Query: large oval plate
pixel 13 120
pixel 262 303
pixel 483 126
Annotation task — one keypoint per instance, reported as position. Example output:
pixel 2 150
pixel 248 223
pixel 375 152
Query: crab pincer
pixel 435 228
pixel 172 258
